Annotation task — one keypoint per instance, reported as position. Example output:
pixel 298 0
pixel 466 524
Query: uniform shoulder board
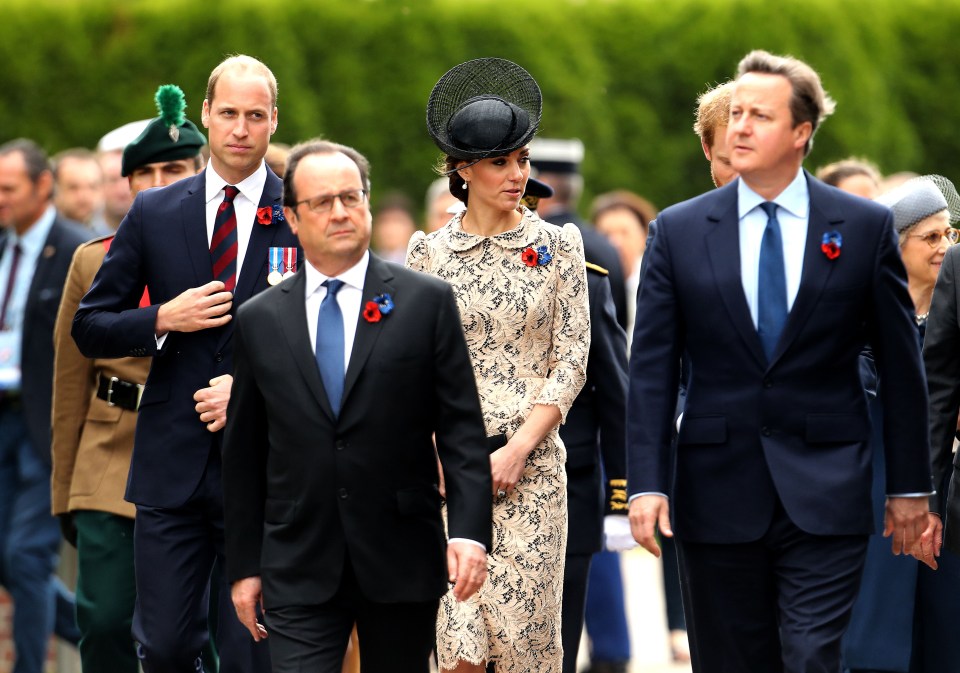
pixel 597 269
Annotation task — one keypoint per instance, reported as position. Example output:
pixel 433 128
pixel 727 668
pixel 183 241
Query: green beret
pixel 168 137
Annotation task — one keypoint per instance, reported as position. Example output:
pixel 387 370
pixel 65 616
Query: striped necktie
pixel 223 245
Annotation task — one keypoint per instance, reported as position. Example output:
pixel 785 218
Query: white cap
pixel 556 154
pixel 119 138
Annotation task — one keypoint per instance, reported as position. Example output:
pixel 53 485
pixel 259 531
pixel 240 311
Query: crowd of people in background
pixel 89 308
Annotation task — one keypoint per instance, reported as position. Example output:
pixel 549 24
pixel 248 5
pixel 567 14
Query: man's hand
pixel 212 402
pixel 195 309
pixel 467 568
pixel 906 520
pixel 930 542
pixel 646 513
pixel 246 596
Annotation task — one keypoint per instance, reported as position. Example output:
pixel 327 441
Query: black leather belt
pixel 119 393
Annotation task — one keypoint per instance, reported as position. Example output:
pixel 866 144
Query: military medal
pixel 289 262
pixel 275 256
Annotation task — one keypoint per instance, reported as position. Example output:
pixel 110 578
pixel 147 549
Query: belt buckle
pixel 110 402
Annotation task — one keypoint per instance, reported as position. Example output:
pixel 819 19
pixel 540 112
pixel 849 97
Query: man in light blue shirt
pixel 35 253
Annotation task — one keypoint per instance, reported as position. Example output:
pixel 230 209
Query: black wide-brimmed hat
pixel 482 108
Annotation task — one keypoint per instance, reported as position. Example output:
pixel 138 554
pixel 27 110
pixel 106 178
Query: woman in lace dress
pixel 521 289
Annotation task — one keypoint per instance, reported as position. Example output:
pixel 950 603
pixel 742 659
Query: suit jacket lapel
pixel 377 281
pixel 823 217
pixel 292 318
pixel 723 249
pixel 193 217
pixel 252 274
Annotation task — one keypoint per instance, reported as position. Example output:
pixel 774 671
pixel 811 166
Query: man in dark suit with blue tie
pixel 347 377
pixel 771 287
pixel 200 247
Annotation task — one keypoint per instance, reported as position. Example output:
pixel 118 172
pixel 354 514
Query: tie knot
pixel 333 286
pixel 770 208
pixel 230 193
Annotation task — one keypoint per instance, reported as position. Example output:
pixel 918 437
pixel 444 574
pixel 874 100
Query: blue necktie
pixel 772 283
pixel 330 344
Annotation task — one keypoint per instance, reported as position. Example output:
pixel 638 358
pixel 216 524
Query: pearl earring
pixel 465 184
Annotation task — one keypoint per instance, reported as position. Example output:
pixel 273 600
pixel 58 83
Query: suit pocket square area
pixel 703 430
pixel 496 442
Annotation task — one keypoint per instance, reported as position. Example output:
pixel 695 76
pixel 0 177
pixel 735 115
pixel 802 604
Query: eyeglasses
pixel 932 238
pixel 352 198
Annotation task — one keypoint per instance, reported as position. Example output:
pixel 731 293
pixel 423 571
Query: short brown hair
pixel 809 102
pixel 242 63
pixel 320 146
pixel 621 199
pixel 713 111
pixel 835 173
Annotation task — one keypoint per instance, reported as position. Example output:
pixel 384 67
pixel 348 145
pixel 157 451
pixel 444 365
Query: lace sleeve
pixel 418 254
pixel 571 324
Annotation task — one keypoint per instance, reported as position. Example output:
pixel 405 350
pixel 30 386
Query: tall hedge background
pixel 620 74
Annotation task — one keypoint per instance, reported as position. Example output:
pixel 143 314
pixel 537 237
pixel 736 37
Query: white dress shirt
pixel 349 298
pixel 793 208
pixel 244 204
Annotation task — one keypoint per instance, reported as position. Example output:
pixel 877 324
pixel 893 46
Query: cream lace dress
pixel 528 330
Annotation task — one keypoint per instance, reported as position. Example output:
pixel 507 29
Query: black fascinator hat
pixel 482 108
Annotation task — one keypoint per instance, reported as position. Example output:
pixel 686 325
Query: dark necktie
pixel 223 245
pixel 330 350
pixel 772 283
pixel 11 281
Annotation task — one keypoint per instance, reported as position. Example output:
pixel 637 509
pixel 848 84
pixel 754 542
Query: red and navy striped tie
pixel 223 245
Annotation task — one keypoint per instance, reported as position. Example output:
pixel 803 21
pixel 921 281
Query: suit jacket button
pixel 218 357
pixel 340 445
pixel 765 431
pixel 767 383
pixel 342 493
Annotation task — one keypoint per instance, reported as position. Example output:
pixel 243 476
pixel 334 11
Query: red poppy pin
pixel 269 214
pixel 831 244
pixel 378 307
pixel 536 257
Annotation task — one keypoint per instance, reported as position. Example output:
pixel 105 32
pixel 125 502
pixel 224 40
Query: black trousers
pixel 780 603
pixel 393 636
pixel 576 571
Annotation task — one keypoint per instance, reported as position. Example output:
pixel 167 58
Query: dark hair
pixel 318 146
pixel 34 157
pixel 448 167
pixel 809 102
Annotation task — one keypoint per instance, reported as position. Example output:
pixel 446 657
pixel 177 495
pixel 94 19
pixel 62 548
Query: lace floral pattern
pixel 528 330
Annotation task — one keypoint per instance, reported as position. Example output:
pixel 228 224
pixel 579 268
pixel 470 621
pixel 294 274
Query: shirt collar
pixel 354 276
pixel 251 186
pixel 518 237
pixel 32 242
pixel 795 199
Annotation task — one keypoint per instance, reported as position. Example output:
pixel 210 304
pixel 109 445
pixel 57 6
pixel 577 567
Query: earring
pixel 465 184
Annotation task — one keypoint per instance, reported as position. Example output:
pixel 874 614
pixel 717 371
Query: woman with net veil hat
pixel 521 289
pixel 905 612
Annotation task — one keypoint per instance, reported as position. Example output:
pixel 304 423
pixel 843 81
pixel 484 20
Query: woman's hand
pixel 506 466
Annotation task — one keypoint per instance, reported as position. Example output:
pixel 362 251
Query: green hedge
pixel 620 74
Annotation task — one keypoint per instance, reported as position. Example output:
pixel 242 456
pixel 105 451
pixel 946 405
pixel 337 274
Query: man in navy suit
pixel 771 495
pixel 36 246
pixel 200 247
